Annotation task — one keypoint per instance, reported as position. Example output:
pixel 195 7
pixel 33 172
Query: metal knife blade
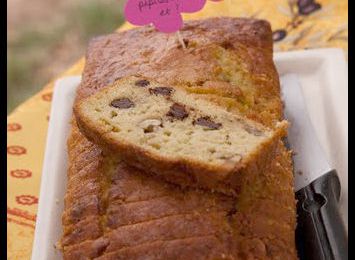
pixel 309 159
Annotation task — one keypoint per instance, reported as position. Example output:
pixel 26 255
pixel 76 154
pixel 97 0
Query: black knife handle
pixel 320 233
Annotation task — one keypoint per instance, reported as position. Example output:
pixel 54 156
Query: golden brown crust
pixel 258 225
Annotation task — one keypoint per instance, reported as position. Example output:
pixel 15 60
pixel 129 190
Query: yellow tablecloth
pixel 294 26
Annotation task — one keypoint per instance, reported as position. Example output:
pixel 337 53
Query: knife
pixel 320 232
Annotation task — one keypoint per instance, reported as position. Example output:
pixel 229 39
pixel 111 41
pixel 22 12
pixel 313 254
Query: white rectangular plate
pixel 323 74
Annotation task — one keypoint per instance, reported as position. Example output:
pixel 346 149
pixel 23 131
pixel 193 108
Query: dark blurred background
pixel 45 37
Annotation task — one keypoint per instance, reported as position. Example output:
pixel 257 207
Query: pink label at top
pixel 165 15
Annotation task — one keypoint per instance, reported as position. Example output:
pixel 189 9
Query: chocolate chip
pixel 253 131
pixel 178 111
pixel 142 83
pixel 122 103
pixel 207 122
pixel 164 91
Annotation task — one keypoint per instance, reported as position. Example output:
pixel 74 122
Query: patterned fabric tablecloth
pixel 297 24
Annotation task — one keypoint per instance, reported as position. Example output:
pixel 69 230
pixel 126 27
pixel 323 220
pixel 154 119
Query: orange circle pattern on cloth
pixel 16 150
pixel 13 127
pixel 296 25
pixel 21 173
pixel 26 200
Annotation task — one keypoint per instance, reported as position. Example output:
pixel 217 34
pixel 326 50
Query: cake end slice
pixel 176 135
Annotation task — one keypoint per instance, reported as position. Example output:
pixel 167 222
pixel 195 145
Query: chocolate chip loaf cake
pixel 159 129
pixel 114 211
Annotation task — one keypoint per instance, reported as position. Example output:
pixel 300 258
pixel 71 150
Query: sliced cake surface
pixel 176 134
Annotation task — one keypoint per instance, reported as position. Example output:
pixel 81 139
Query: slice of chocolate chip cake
pixel 177 135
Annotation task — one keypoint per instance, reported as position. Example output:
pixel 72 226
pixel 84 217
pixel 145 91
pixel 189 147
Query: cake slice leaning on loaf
pixel 177 135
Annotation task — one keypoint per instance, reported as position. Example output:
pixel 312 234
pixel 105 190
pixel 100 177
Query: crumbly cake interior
pixel 107 203
pixel 174 124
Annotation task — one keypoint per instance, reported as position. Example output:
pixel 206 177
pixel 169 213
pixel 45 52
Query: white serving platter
pixel 323 74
